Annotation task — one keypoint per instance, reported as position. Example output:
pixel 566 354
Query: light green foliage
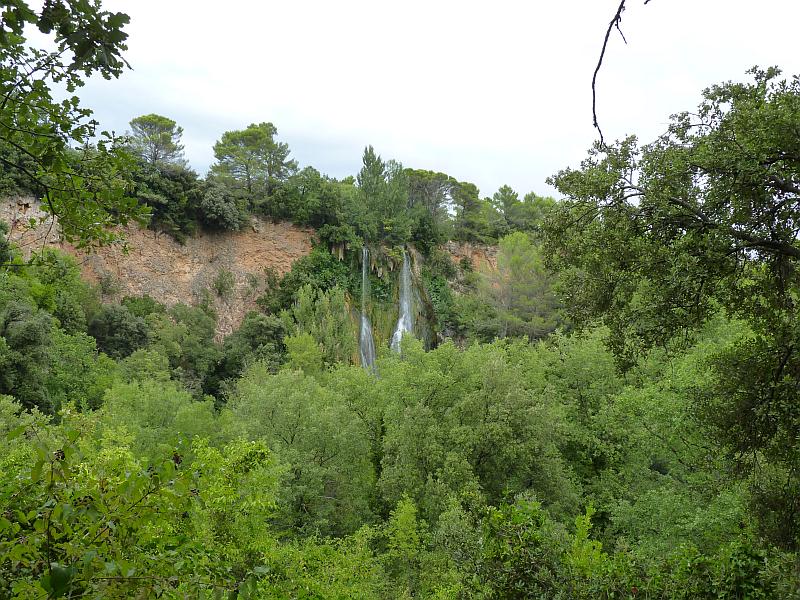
pixel 325 568
pixel 236 490
pixel 325 316
pixel 303 353
pixel 80 375
pixel 405 545
pixel 157 417
pixel 463 422
pixel 329 476
pixel 157 139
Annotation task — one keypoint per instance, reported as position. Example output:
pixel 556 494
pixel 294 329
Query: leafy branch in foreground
pixel 50 143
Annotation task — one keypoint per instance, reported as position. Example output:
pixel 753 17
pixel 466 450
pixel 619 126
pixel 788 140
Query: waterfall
pixel 406 320
pixel 366 343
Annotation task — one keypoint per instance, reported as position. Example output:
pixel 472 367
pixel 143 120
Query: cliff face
pixel 154 264
pixel 482 258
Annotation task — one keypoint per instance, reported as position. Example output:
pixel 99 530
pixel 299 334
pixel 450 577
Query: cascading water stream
pixel 366 342
pixel 405 323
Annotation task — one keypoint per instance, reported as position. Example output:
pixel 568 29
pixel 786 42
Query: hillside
pixel 156 265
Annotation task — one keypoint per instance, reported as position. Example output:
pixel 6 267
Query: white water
pixel 366 343
pixel 405 323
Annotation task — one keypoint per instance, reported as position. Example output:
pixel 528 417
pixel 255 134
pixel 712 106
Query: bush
pixel 224 284
pixel 221 210
pixel 118 331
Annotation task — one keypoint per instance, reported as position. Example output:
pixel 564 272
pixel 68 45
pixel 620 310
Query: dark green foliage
pixel 118 331
pixel 259 338
pixel 220 209
pixel 172 193
pixel 6 253
pixel 185 335
pixel 436 273
pixel 24 353
pixel 320 269
pixel 654 240
pixel 141 306
pixel 57 151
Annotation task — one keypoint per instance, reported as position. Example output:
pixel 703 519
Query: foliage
pixel 49 143
pixel 328 479
pixel 224 284
pixel 170 190
pixel 520 290
pixel 253 161
pixel 220 209
pixel 324 315
pixel 320 270
pixel 654 239
pixel 259 338
pixel 157 139
pixel 118 331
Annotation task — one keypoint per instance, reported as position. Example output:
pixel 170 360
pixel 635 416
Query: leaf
pixel 57 581
pixel 36 470
pixel 16 432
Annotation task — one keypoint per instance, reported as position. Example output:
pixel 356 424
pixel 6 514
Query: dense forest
pixel 607 409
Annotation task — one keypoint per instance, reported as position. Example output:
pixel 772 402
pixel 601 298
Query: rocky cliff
pixel 227 269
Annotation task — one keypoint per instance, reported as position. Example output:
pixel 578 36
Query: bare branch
pixel 614 23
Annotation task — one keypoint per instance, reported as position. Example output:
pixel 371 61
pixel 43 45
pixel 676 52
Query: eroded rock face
pixel 482 258
pixel 154 264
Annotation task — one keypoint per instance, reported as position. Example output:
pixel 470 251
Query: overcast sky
pixel 489 92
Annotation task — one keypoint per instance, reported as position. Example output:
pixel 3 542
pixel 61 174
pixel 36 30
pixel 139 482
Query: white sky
pixel 489 92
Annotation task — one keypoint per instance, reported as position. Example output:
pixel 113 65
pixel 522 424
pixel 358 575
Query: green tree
pixel 24 353
pixel 329 477
pixel 325 316
pixel 475 220
pixel 655 239
pixel 380 211
pixel 157 139
pixel 171 191
pixel 118 332
pixel 254 160
pixel 521 290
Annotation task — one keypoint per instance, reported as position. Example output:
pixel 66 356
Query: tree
pixel 157 140
pixel 118 331
pixel 84 184
pixel 474 217
pixel 521 290
pixel 655 239
pixel 253 160
pixel 380 210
